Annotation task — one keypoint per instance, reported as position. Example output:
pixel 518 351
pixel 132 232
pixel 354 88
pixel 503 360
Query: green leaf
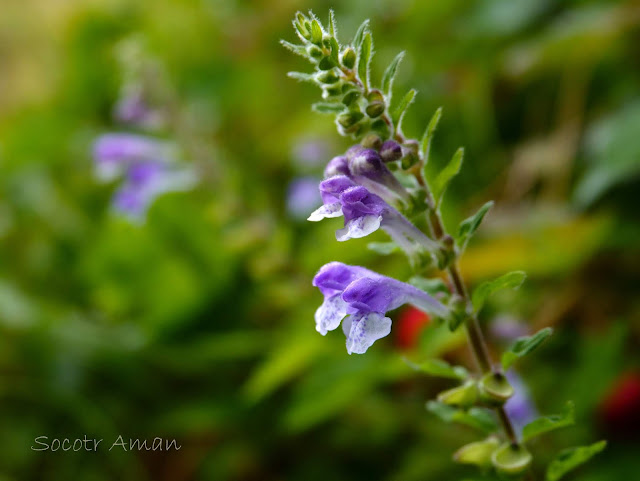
pixel 439 368
pixel 384 248
pixel 398 113
pixel 469 226
pixel 425 144
pixel 357 40
pixel 335 51
pixel 430 286
pixel 364 59
pixel 477 418
pixel 511 280
pixel 390 74
pixel 441 182
pixel 549 423
pixel 302 77
pixel 327 107
pixel 333 28
pixel 523 346
pixel 297 49
pixel 572 458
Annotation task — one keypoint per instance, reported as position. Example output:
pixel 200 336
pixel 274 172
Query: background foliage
pixel 199 324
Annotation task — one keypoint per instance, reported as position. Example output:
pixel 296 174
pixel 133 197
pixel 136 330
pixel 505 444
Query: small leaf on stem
pixel 511 280
pixel 549 423
pixel 401 109
pixel 441 182
pixel 523 346
pixel 570 459
pixel 389 76
pixel 469 226
pixel 425 144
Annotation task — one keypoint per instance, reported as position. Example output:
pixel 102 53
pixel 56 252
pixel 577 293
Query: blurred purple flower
pixel 146 167
pixel 302 197
pixel 365 297
pixel 519 407
pixel 132 109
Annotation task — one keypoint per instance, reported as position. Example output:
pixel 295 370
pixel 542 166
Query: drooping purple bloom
pixel 302 196
pixel 367 168
pixel 365 212
pixel 519 407
pixel 365 297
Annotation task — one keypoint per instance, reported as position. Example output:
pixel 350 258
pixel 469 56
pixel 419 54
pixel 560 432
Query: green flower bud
pixel 375 96
pixel 303 26
pixel 495 389
pixel 330 91
pixel 511 459
pixel 314 52
pixel 350 97
pixel 327 77
pixel 409 160
pixel 463 396
pixel 375 109
pixel 478 453
pixel 372 141
pixel 348 119
pixel 349 58
pixel 326 63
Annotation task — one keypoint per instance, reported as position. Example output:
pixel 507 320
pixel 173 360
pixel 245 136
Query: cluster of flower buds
pixel 342 72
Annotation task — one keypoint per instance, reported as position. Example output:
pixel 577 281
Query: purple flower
pixel 365 297
pixel 114 153
pixel 519 407
pixel 390 151
pixel 367 168
pixel 145 182
pixel 365 212
pixel 302 196
pixel 146 167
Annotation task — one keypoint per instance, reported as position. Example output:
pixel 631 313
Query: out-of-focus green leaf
pixel 569 459
pixel 384 248
pixel 477 418
pixel 441 182
pixel 511 280
pixel 439 368
pixel 434 286
pixel 469 226
pixel 549 423
pixel 523 346
pixel 425 144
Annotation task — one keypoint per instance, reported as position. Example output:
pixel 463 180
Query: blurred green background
pixel 199 324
